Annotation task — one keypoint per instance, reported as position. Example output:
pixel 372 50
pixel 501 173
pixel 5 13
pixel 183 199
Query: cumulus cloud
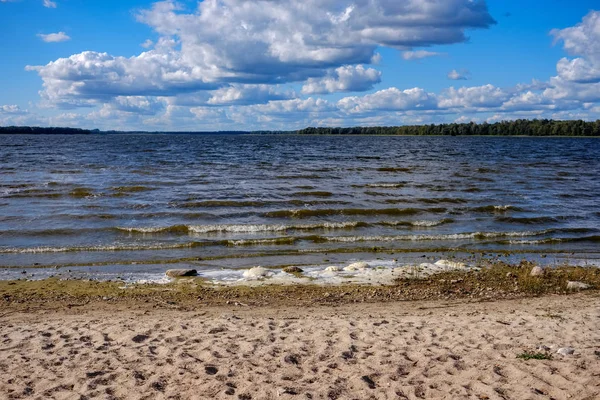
pixel 147 44
pixel 392 99
pixel 485 96
pixel 419 54
pixel 54 37
pixel 344 79
pixel 262 42
pixel 49 4
pixel 246 94
pixel 461 75
pixel 578 78
pixel 12 109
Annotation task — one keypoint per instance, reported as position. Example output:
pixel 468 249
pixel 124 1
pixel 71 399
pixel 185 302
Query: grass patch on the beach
pixel 534 356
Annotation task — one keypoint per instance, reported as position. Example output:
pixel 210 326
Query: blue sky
pixel 250 64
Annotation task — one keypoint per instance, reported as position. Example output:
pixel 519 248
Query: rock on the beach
pixel 566 351
pixel 537 271
pixel 255 273
pixel 293 270
pixel 450 264
pixel 178 273
pixel 358 266
pixel 574 285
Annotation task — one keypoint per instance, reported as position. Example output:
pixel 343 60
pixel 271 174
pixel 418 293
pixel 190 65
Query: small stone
pixel 255 273
pixel 358 266
pixel 450 264
pixel 292 359
pixel 537 271
pixel 543 348
pixel 566 351
pixel 574 285
pixel 210 370
pixel 293 270
pixel 369 382
pixel 178 273
pixel 140 338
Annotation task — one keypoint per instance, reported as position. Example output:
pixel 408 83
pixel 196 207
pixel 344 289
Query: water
pixel 132 206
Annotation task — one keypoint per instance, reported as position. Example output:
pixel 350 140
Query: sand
pixel 422 349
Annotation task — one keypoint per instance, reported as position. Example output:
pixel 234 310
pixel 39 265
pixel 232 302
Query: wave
pixel 527 220
pixel 496 208
pixel 287 240
pixel 593 239
pixel 382 185
pixel 254 203
pixel 312 194
pixel 243 228
pixel 417 223
pixel 395 169
pixel 305 213
pixel 452 236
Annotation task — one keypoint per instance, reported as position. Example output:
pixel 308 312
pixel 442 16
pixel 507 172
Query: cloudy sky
pixel 288 64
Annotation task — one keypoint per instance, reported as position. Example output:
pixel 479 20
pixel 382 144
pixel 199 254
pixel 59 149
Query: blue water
pixel 140 202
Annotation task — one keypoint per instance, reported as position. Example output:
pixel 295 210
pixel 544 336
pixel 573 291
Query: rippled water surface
pixel 133 205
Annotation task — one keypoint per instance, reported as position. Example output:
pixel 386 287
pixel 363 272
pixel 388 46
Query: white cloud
pixel 392 99
pixel 461 75
pixel 419 54
pixel 11 109
pixel 250 42
pixel 147 44
pixel 49 4
pixel 485 96
pixel 54 37
pixel 246 94
pixel 344 79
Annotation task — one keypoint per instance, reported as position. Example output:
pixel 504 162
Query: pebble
pixel 537 271
pixel 210 370
pixel 574 285
pixel 255 273
pixel 566 351
pixel 178 273
pixel 359 266
pixel 293 270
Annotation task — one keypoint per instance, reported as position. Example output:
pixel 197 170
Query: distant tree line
pixel 33 130
pixel 536 127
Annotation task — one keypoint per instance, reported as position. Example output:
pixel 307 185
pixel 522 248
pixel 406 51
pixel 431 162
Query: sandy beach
pixel 457 349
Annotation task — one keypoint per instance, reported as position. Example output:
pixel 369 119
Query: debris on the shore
pixel 180 273
pixel 255 273
pixel 358 266
pixel 574 285
pixel 566 351
pixel 293 270
pixel 537 271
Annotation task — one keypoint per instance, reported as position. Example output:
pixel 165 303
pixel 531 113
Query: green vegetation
pixel 520 127
pixel 534 356
pixel 541 127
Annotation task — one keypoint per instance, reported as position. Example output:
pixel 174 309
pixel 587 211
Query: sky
pixel 288 64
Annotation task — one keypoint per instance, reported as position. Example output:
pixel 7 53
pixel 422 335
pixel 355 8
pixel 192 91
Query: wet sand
pixel 453 349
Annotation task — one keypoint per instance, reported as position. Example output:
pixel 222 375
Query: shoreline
pixel 497 281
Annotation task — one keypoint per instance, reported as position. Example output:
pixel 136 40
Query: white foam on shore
pixel 374 272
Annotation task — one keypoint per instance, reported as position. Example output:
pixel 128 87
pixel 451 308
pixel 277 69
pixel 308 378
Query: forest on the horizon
pixel 520 127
